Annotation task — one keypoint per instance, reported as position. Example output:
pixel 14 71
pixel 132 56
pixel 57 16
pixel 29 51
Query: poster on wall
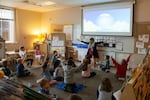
pixel 141 50
pixel 139 44
pixel 143 38
pixel 68 30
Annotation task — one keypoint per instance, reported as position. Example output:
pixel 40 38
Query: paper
pixel 68 30
pixel 55 38
pixel 141 50
pixel 139 44
pixel 140 37
pixel 119 46
pixel 145 37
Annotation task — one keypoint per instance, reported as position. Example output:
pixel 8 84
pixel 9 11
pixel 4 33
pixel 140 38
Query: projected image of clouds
pixel 116 20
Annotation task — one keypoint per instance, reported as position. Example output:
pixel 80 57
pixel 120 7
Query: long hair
pixel 106 85
pixel 86 62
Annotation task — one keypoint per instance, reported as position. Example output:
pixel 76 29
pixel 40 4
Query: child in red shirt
pixel 121 68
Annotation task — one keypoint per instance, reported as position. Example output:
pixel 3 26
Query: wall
pixel 27 23
pixel 64 16
pixel 141 11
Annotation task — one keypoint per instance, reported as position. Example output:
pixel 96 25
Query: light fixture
pixel 40 2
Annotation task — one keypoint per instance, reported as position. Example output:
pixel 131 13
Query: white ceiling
pixel 60 4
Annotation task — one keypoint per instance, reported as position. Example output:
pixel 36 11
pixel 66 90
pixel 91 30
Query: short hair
pixel 107 57
pixel 43 82
pixel 92 39
pixel 19 60
pixel 54 51
pixel 70 62
pixel 106 85
pixel 21 47
pixel 75 97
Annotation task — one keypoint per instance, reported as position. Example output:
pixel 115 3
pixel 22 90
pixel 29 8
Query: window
pixel 7 26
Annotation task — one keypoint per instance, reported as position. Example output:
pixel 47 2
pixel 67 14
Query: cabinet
pixel 58 43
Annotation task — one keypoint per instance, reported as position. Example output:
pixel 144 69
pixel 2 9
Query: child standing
pixel 58 71
pixel 121 68
pixel 105 65
pixel 21 71
pixel 105 90
pixel 86 69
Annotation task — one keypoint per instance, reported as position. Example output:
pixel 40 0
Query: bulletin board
pixel 142 37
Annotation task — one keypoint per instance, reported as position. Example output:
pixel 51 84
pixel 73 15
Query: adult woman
pixel 92 49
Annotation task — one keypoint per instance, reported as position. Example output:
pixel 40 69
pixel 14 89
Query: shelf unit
pixel 58 43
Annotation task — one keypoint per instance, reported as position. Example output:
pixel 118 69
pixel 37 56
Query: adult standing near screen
pixel 92 49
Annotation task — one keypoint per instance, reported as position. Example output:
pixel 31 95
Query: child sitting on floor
pixel 105 90
pixel 105 65
pixel 86 69
pixel 5 69
pixel 58 71
pixel 46 73
pixel 21 71
pixel 121 68
pixel 54 57
pixel 45 89
pixel 69 76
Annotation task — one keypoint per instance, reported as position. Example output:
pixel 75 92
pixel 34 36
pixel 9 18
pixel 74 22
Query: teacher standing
pixel 92 49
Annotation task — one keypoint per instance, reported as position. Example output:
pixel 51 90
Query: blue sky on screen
pixel 115 20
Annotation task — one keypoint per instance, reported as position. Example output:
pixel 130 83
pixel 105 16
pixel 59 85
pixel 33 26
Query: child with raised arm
pixel 58 74
pixel 121 68
pixel 69 76
pixel 47 74
pixel 21 71
pixel 86 69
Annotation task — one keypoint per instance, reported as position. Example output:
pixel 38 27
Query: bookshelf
pixel 58 43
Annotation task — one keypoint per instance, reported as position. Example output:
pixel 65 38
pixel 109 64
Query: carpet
pixel 78 87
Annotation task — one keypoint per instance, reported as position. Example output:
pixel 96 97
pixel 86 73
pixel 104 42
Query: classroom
pixel 74 50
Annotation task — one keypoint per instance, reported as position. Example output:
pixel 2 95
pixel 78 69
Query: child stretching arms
pixel 121 68
pixel 86 69
pixel 69 76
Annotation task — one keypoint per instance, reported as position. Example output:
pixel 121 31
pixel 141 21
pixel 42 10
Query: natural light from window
pixel 7 24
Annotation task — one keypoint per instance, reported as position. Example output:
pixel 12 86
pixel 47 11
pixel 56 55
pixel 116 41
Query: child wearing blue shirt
pixel 21 71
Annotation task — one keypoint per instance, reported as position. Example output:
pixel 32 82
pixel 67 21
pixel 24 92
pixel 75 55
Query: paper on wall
pixel 119 46
pixel 141 50
pixel 145 37
pixel 139 44
pixel 55 38
pixel 140 37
